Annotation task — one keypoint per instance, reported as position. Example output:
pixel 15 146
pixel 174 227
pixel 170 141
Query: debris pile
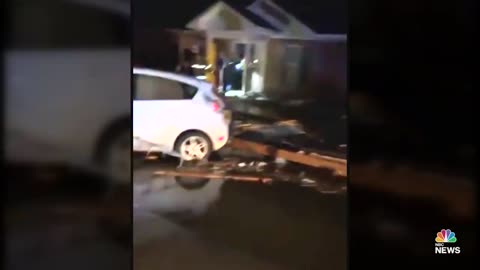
pixel 266 153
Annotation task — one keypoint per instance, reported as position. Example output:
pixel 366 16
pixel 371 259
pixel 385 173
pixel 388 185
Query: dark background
pixel 416 59
pixel 411 62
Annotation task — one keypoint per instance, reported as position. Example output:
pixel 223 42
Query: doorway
pixel 240 71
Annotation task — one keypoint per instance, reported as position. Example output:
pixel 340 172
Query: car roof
pixel 171 76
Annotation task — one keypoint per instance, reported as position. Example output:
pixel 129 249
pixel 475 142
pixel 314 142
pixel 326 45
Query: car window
pixel 154 88
pixel 61 24
pixel 189 91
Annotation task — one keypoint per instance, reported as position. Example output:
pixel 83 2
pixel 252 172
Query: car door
pixel 160 109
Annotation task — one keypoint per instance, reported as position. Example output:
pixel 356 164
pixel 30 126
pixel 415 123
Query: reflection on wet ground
pixel 235 225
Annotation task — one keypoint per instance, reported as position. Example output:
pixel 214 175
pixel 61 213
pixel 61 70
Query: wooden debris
pixel 339 166
pixel 222 163
pixel 293 123
pixel 213 176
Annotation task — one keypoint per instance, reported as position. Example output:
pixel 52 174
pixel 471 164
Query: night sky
pixel 321 15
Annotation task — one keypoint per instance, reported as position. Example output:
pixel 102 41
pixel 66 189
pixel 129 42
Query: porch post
pixel 248 49
pixel 263 56
pixel 211 59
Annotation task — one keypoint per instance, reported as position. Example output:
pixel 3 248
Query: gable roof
pixel 252 17
pixel 280 17
pixel 322 16
pixel 239 8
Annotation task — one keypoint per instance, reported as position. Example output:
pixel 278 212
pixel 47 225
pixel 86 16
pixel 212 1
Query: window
pixel 154 88
pixel 189 91
pixel 57 24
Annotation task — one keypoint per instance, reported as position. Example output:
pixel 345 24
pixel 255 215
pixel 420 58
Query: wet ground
pixel 235 225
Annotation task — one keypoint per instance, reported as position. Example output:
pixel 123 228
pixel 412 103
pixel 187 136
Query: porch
pixel 235 61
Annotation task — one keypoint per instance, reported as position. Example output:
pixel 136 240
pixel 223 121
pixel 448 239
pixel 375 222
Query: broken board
pixel 339 166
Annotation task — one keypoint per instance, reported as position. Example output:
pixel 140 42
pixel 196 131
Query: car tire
pixel 192 183
pixel 192 136
pixel 114 154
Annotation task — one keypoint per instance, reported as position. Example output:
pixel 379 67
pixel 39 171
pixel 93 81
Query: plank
pixel 212 175
pixel 339 166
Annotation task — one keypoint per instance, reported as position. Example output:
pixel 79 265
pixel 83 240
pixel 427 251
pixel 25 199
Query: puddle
pixel 169 194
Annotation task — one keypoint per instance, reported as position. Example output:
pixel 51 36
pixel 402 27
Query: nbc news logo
pixel 443 240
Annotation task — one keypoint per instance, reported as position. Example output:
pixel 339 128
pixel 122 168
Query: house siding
pixel 322 70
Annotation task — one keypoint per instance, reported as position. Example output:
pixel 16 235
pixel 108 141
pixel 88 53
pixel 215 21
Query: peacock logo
pixel 445 236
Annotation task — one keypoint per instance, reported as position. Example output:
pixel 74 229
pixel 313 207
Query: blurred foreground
pixel 61 219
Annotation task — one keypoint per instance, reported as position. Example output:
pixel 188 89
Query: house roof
pixel 322 16
pixel 242 9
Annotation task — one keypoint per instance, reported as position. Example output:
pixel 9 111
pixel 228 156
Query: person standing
pixel 222 63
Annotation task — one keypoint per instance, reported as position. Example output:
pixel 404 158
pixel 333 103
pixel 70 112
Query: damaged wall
pixel 306 69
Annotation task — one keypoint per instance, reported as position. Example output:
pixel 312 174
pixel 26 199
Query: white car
pixel 68 96
pixel 177 115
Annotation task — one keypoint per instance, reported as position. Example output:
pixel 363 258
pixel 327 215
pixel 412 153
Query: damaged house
pixel 277 54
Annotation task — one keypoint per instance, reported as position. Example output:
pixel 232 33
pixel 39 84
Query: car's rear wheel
pixel 193 146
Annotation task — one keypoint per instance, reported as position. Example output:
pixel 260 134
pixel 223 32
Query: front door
pixel 247 54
